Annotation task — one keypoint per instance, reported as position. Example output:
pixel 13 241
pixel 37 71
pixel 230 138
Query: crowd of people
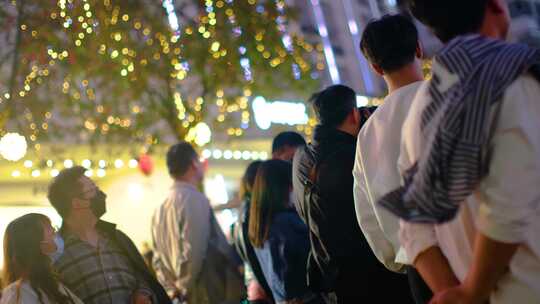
pixel 429 198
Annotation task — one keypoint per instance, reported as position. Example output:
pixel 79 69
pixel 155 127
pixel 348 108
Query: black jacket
pixel 341 259
pixel 135 258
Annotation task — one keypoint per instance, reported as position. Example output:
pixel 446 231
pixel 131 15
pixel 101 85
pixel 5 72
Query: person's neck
pixel 349 129
pixel 406 75
pixel 491 29
pixel 83 227
pixel 188 179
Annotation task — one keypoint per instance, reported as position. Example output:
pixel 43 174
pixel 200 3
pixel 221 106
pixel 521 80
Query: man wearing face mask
pixel 100 264
pixel 192 258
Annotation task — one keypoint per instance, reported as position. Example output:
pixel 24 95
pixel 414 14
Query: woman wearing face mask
pixel 30 247
pixel 279 236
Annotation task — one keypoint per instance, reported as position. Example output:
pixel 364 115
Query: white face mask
pixel 59 242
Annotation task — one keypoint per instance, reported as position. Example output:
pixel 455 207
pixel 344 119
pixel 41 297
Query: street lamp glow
pixel 133 163
pixel 206 153
pixel 203 134
pixel 217 154
pixel 28 163
pixel 118 163
pixel 13 146
pixel 16 174
pixel 36 173
pixel 68 163
pixel 101 173
pixel 86 163
pixel 55 172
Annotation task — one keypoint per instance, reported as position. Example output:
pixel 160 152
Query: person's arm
pixel 421 245
pixel 435 270
pixel 368 217
pixel 508 197
pixel 490 263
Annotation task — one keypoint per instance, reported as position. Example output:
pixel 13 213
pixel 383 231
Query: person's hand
pixel 455 295
pixel 140 297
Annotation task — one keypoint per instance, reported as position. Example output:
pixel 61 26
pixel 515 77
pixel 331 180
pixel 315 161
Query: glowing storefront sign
pixel 278 112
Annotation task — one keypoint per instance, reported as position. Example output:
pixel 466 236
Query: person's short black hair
pixel 287 139
pixel 450 18
pixel 390 42
pixel 179 158
pixel 333 104
pixel 63 188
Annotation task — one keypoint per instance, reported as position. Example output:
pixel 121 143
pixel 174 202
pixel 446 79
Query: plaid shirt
pixel 101 274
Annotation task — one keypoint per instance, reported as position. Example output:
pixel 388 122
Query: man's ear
pixel 377 69
pixel 419 50
pixel 496 6
pixel 354 116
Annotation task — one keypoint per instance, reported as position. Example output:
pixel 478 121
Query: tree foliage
pixel 135 71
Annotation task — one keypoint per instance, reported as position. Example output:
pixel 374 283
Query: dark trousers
pixel 364 287
pixel 420 290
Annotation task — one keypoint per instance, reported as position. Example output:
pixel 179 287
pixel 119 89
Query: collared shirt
pixel 180 233
pixel 375 174
pixel 99 274
pixel 506 205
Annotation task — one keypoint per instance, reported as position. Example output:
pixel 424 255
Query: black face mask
pixel 97 204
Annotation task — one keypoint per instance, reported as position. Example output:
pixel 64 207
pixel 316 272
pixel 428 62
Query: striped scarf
pixel 470 76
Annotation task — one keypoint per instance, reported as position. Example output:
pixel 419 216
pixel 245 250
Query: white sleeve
pixel 9 296
pixel 416 238
pixel 510 196
pixel 367 216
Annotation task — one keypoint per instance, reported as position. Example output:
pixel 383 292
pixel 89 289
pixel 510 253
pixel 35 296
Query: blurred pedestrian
pixel 258 289
pixel 391 46
pixel 30 247
pixel 279 236
pixel 192 257
pixel 285 145
pixel 341 259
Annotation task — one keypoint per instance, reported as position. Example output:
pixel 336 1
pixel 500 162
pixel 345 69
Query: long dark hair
pixel 23 257
pixel 270 195
pixel 246 185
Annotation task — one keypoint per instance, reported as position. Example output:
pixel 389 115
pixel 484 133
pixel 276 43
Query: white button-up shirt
pixel 180 233
pixel 506 205
pixel 375 174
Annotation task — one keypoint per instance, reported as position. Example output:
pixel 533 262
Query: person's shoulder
pixel 288 219
pixel 520 103
pixel 18 292
pixel 188 195
pixel 302 161
pixel 523 84
pixel 405 93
